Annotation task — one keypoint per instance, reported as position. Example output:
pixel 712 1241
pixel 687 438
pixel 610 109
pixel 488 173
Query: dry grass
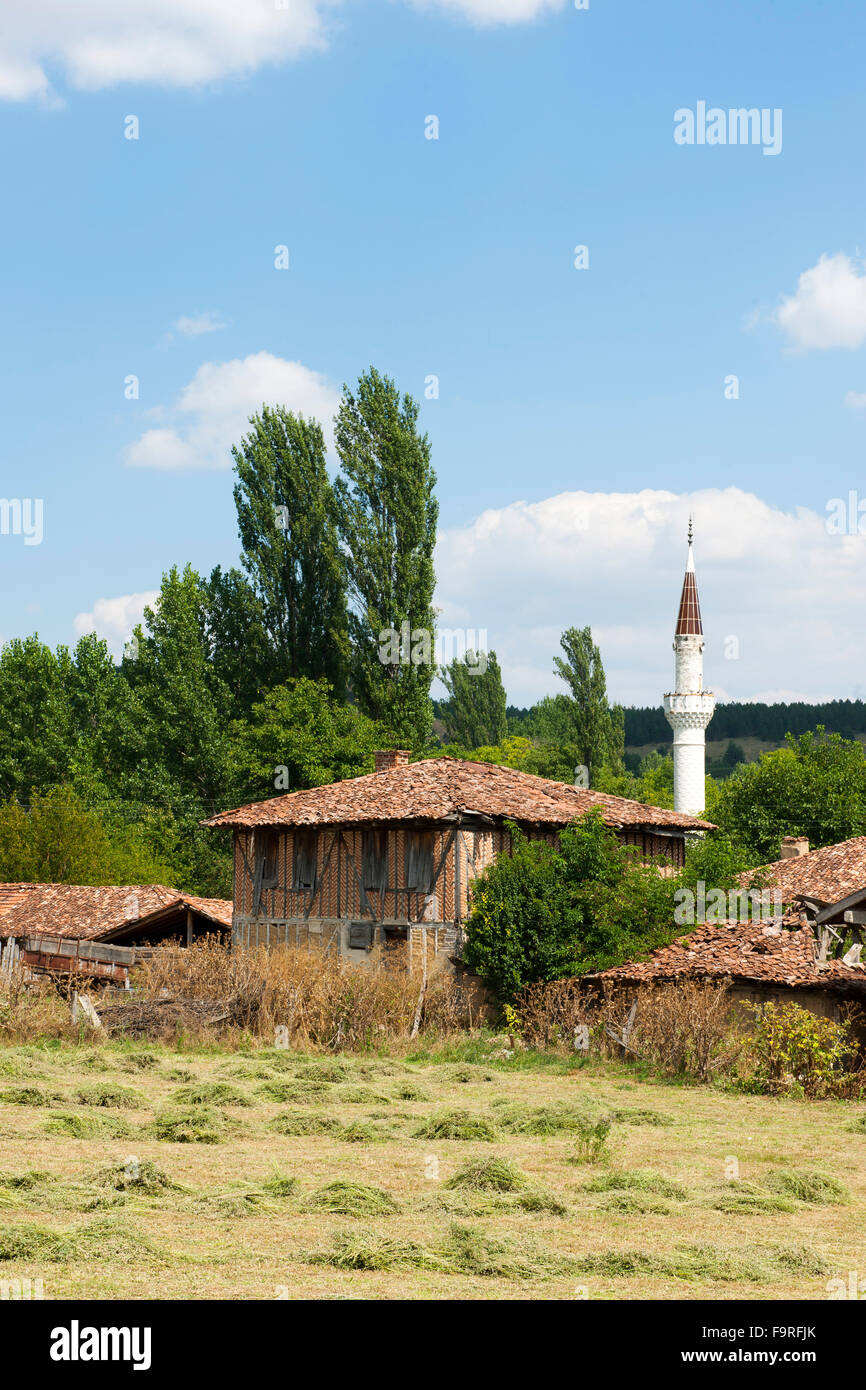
pixel 321 1000
pixel 348 1198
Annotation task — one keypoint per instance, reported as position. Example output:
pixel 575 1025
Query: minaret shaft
pixel 689 708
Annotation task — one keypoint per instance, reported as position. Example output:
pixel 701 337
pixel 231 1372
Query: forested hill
pixel 769 723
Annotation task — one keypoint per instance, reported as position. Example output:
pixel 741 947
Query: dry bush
pixel 549 1012
pixel 685 1029
pixel 322 1000
pixel 32 1008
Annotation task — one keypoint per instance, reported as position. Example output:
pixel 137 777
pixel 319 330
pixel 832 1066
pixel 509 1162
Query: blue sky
pixel 451 257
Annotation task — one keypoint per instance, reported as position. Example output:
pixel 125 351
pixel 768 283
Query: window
pixel 419 861
pixel 374 861
pixel 304 862
pixel 267 856
pixel 360 936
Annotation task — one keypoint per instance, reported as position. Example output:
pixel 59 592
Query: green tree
pixel 387 513
pixel 816 787
pixel 542 913
pixel 290 548
pixel 587 720
pixel 58 840
pixel 108 724
pixel 238 645
pixel 36 726
pixel 300 736
pixel 474 713
pixel 185 739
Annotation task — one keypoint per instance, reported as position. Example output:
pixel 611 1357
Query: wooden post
pixel 189 926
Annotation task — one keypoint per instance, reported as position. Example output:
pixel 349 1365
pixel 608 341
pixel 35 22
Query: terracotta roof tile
pixel 11 894
pixel 826 875
pixel 84 912
pixel 751 953
pixel 439 788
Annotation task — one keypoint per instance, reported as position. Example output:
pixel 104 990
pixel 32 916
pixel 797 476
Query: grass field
pixel 136 1171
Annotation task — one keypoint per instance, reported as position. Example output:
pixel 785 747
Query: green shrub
pixel 541 913
pixel 793 1049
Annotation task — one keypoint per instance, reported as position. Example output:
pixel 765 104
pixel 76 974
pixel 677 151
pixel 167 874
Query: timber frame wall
pixel 320 918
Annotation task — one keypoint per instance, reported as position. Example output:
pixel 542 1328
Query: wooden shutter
pixel 304 862
pixel 269 846
pixel 374 860
pixel 419 860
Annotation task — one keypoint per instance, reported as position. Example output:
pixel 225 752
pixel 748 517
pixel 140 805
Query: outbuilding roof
pixel 441 788
pixel 86 912
pixel 824 875
pixel 753 953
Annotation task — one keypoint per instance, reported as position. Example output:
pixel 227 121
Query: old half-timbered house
pixel 389 858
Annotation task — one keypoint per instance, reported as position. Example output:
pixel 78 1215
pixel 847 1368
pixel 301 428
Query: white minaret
pixel 690 708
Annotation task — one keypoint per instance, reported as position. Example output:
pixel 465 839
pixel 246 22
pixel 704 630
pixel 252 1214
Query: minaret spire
pixel 689 708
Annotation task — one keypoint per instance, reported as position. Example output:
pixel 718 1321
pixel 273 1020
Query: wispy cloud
pixel 194 325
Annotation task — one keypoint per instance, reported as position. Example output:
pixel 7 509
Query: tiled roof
pixel 11 894
pixel 218 910
pixel 823 874
pixel 689 616
pixel 752 953
pixel 439 788
pixel 63 909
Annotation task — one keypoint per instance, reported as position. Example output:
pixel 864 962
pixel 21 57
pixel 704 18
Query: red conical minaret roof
pixel 689 616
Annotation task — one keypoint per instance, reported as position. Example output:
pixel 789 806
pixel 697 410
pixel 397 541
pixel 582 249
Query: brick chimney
pixel 391 757
pixel 794 846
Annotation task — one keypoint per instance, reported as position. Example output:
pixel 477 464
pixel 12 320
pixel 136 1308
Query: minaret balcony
pixel 689 711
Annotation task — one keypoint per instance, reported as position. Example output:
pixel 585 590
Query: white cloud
pixel 828 309
pixel 856 400
pixel 115 618
pixel 98 44
pixel 212 412
pixel 790 593
pixel 174 43
pixel 488 12
pixel 193 325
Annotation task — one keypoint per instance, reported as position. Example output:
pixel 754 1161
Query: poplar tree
pixel 475 712
pixel 597 730
pixel 387 514
pixel 290 548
